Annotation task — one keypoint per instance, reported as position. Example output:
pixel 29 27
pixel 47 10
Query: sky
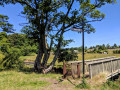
pixel 107 30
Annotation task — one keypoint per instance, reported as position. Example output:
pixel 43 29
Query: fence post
pixel 64 70
pixel 111 66
pixel 72 70
pixel 90 71
pixel 103 66
pixel 78 70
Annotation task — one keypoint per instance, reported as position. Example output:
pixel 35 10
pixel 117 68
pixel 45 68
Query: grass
pixel 87 56
pixel 110 85
pixel 95 55
pixel 13 80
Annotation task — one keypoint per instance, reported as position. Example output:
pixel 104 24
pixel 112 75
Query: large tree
pixel 50 19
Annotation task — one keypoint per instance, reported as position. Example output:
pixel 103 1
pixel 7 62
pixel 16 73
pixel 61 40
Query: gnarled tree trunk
pixel 56 55
pixel 45 59
pixel 37 64
pixel 52 63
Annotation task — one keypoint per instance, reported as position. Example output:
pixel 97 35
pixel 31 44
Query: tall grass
pixel 13 80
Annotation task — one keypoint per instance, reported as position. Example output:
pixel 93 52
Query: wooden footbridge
pixel 93 67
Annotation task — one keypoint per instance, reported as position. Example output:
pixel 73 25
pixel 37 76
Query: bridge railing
pixel 77 66
pixel 110 66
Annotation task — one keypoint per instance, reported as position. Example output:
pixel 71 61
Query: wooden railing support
pixel 78 70
pixel 64 70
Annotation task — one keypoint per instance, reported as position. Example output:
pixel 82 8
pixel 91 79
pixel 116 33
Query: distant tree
pixel 115 46
pixel 108 46
pixel 80 49
pixel 85 48
pixel 103 47
pixel 91 47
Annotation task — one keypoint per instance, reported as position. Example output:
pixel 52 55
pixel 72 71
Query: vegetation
pixel 45 34
pixel 18 41
pixel 116 51
pixel 110 85
pixel 4 24
pixel 13 80
pixel 66 55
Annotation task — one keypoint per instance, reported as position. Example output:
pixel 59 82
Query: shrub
pixel 11 59
pixel 116 51
pixel 67 55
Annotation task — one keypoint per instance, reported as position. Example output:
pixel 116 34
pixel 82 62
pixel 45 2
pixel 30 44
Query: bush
pixel 116 51
pixel 11 59
pixel 67 55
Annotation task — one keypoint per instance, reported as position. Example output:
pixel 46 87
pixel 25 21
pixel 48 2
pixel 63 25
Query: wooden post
pixel 72 70
pixel 103 66
pixel 78 70
pixel 90 71
pixel 111 66
pixel 64 70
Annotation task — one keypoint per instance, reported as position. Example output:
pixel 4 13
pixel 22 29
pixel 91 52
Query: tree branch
pixel 24 2
pixel 94 20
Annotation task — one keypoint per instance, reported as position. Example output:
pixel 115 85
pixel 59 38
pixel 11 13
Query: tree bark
pixel 56 55
pixel 45 59
pixel 46 51
pixel 37 65
pixel 52 63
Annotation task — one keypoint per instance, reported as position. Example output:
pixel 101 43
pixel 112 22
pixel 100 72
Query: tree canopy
pixel 5 25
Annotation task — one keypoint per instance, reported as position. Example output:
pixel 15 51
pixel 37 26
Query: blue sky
pixel 107 30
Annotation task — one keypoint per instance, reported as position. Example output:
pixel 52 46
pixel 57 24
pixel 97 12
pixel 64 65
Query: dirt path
pixel 56 85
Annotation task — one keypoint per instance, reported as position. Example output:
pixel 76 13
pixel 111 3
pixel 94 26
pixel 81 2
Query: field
pixel 24 80
pixel 87 56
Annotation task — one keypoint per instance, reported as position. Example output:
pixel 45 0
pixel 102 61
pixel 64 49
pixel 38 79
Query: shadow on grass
pixel 29 70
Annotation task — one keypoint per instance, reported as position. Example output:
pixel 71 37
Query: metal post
pixel 83 53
